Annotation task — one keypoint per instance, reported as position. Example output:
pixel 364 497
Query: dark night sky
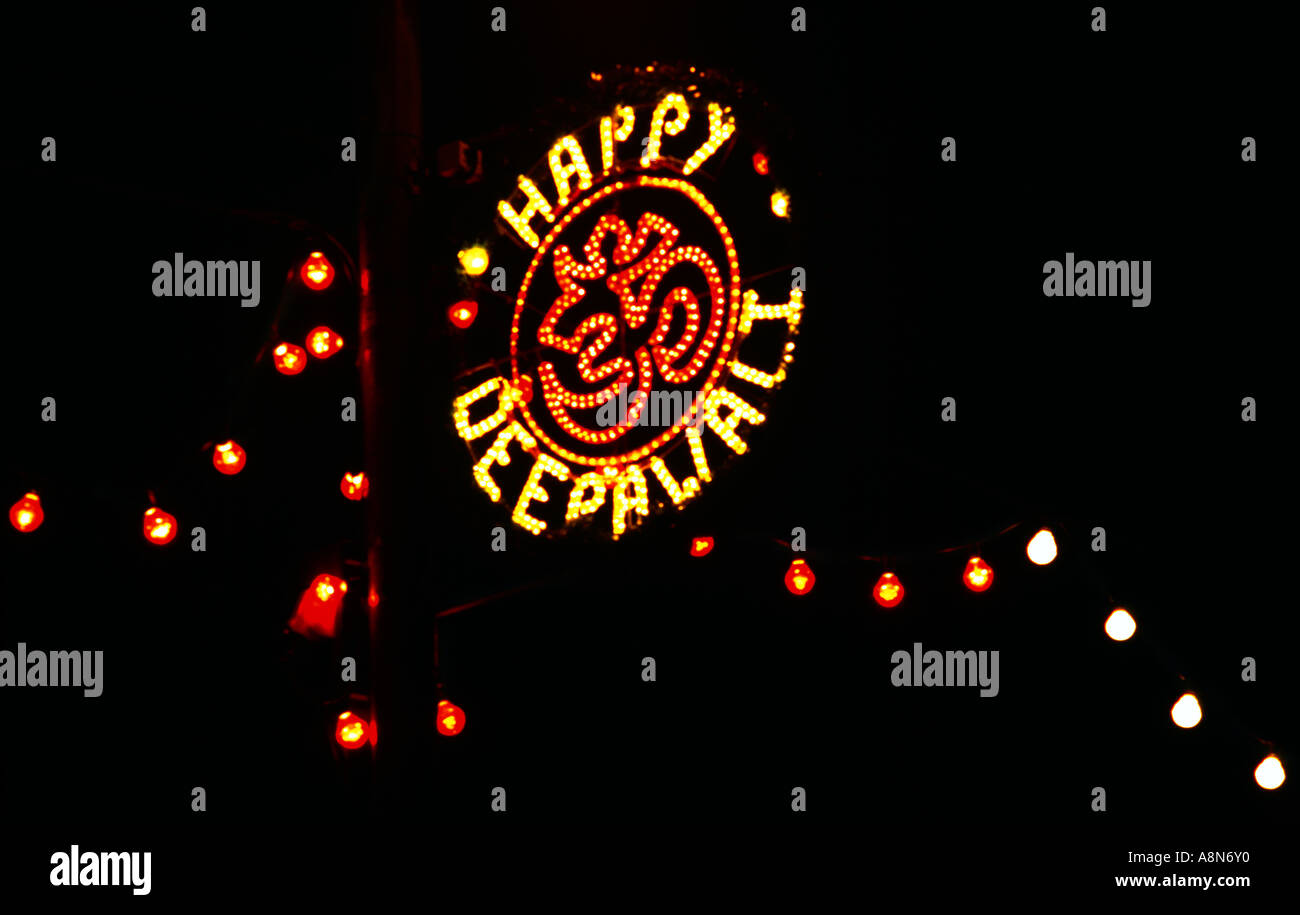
pixel 924 281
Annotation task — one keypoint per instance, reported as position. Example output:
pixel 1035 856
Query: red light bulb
pixel 351 731
pixel 317 272
pixel 26 514
pixel 760 163
pixel 159 527
pixel 462 314
pixel 888 591
pixel 978 575
pixel 700 546
pixel 799 578
pixel 323 342
pixel 319 606
pixel 289 359
pixel 228 458
pixel 451 719
pixel 355 486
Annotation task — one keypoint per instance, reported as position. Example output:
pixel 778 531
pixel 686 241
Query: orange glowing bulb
pixel 289 359
pixel 355 486
pixel 799 578
pixel 978 575
pixel 159 527
pixel 26 514
pixel 888 591
pixel 462 314
pixel 323 342
pixel 701 546
pixel 451 719
pixel 228 458
pixel 317 272
pixel 319 607
pixel 781 203
pixel 351 731
pixel 474 260
pixel 760 163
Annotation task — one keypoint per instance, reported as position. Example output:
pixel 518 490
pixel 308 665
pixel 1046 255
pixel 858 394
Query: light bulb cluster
pixel 291 359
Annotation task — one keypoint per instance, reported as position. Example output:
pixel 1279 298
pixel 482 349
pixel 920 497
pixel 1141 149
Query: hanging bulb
pixel 799 578
pixel 351 731
pixel 228 458
pixel 781 204
pixel 159 527
pixel 26 514
pixel 355 486
pixel 462 314
pixel 978 575
pixel 323 342
pixel 319 606
pixel 1041 548
pixel 473 260
pixel 451 719
pixel 1120 625
pixel 1186 711
pixel 1269 774
pixel 317 272
pixel 760 163
pixel 700 546
pixel 888 591
pixel 289 359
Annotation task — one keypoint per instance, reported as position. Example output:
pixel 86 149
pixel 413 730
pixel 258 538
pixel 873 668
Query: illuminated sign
pixel 631 373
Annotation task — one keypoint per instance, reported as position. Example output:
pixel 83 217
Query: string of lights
pixel 1119 623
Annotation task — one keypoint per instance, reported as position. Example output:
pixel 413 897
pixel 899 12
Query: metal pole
pixel 395 292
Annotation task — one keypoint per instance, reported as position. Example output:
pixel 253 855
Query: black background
pixel 924 281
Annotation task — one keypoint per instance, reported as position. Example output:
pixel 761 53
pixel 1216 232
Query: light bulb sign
pixel 639 356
